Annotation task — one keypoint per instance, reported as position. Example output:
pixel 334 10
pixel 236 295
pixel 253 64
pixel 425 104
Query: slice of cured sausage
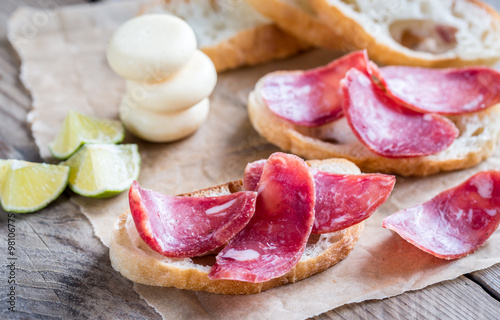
pixel 444 91
pixel 275 238
pixel 310 98
pixel 389 129
pixel 253 172
pixel 342 200
pixel 188 226
pixel 456 222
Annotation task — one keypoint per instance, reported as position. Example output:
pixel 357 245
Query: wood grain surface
pixel 64 272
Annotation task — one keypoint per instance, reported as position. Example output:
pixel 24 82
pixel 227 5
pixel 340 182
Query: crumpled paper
pixel 64 67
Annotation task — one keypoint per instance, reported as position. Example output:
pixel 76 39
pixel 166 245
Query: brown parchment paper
pixel 64 67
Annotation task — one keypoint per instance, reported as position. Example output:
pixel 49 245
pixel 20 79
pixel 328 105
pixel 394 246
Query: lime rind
pixel 103 170
pixel 28 187
pixel 79 129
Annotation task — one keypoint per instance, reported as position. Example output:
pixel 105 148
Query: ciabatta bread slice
pixel 298 18
pixel 136 261
pixel 424 33
pixel 231 33
pixel 478 137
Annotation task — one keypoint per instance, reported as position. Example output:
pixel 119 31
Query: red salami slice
pixel 275 238
pixel 253 172
pixel 342 200
pixel 456 222
pixel 188 226
pixel 445 91
pixel 310 98
pixel 389 129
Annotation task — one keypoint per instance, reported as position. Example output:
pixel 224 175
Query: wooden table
pixel 63 271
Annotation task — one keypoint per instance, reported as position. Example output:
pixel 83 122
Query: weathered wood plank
pixel 455 299
pixel 64 272
pixel 8 152
pixel 9 63
pixel 15 130
pixel 489 279
pixel 11 87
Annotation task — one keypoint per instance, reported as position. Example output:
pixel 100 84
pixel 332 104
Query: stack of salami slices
pixel 285 221
pixel 405 120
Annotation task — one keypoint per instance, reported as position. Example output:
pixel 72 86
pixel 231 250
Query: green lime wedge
pixel 28 187
pixel 103 170
pixel 78 129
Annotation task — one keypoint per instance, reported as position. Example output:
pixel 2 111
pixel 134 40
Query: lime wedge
pixel 27 187
pixel 103 170
pixel 78 129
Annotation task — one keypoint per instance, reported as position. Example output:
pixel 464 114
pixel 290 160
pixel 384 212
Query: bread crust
pixel 479 134
pixel 254 46
pixel 391 53
pixel 299 23
pixel 136 261
pixel 262 43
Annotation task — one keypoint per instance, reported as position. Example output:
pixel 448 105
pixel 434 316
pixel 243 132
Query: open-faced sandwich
pixel 285 221
pixel 405 120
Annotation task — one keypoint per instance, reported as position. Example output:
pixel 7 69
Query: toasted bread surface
pixel 299 19
pixel 139 263
pixel 417 33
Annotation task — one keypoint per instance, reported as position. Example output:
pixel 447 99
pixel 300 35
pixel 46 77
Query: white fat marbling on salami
pixel 456 222
pixel 188 226
pixel 310 98
pixel 388 129
pixel 491 212
pixel 342 200
pixel 243 255
pixel 219 209
pixel 484 187
pixel 276 236
pixel 444 91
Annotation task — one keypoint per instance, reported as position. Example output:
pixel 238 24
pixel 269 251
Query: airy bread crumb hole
pixel 315 238
pixel 478 132
pixel 353 4
pixel 424 35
